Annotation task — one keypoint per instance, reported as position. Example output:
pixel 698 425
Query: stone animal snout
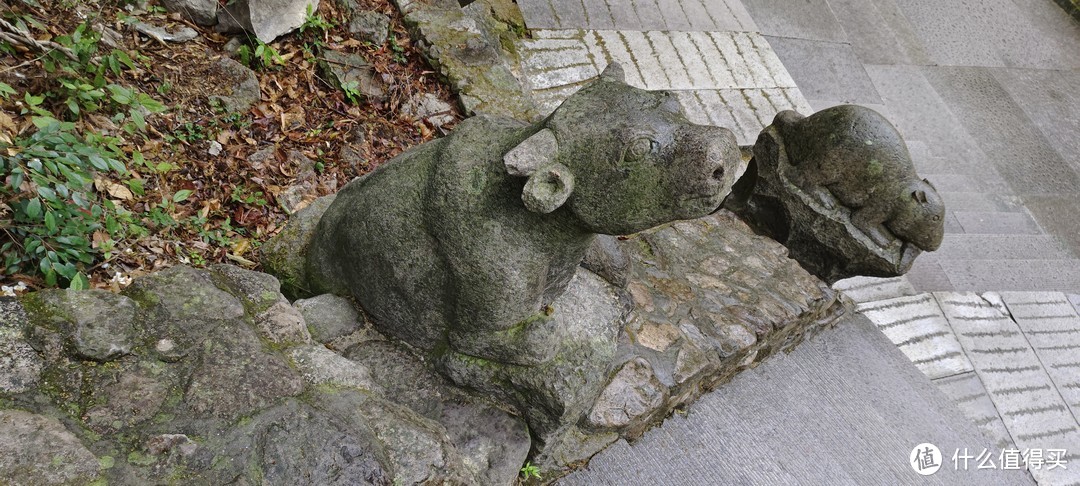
pixel 920 216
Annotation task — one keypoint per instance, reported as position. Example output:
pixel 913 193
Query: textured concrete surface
pixel 843 408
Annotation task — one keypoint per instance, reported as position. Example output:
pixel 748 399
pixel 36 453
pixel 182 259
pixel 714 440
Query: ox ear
pixel 548 188
pixel 531 154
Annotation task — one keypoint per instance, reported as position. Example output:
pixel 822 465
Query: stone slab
pixel 1001 247
pixel 1057 215
pixel 658 59
pixel 969 395
pixel 808 19
pixel 997 223
pixel 1008 138
pixel 1052 327
pixel 992 33
pixel 844 408
pixel 825 70
pixel 919 329
pixel 921 115
pixel 870 289
pixel 878 33
pixel 927 275
pixel 1033 274
pixel 1028 401
pixel 981 201
pixel 638 15
pixel 1050 100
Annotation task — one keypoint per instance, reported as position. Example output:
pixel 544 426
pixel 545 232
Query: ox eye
pixel 641 147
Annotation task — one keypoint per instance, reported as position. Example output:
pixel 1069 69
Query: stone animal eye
pixel 640 147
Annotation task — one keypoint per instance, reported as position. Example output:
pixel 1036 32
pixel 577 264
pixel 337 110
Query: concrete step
pixel 843 408
pixel 997 223
pixel 1000 247
pixel 999 275
pixel 981 201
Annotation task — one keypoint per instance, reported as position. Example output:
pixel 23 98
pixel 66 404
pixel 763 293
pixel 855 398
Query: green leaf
pixel 181 195
pixel 151 104
pixel 163 167
pixel 98 162
pixel 6 90
pixel 50 222
pixel 33 100
pixel 33 209
pixel 121 95
pixel 138 118
pixel 47 193
pixel 124 58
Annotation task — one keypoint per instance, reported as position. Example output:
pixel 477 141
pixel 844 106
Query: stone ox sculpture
pixel 466 240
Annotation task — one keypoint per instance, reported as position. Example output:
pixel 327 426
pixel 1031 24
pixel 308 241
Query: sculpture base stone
pixel 706 299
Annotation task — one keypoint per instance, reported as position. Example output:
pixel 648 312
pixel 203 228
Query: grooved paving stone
pixel 967 392
pixel 843 408
pixel 919 329
pixel 1030 406
pixel 825 70
pixel 654 59
pixel 869 289
pixel 638 15
pixel 805 19
pixel 1052 327
pixel 744 111
pixel 1000 247
pixel 992 33
pixel 1033 274
pixel 1007 137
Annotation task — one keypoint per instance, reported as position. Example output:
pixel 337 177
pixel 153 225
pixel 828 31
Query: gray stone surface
pixel 843 408
pixel 811 19
pixel 242 89
pixel 993 33
pixel 638 15
pixel 36 449
pixel 969 395
pixel 825 70
pixel 878 32
pixel 20 365
pixel 369 26
pixel 1005 358
pixel 202 12
pixel 919 329
pixel 1008 138
pixel 266 19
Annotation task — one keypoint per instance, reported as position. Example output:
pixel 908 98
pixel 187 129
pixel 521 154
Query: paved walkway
pixel 987 95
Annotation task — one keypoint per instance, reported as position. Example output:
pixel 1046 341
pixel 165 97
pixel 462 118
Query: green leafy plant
pixel 398 50
pixel 314 21
pixel 53 205
pixel 56 216
pixel 259 56
pixel 529 470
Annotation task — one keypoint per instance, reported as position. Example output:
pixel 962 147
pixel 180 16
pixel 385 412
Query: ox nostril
pixel 718 174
